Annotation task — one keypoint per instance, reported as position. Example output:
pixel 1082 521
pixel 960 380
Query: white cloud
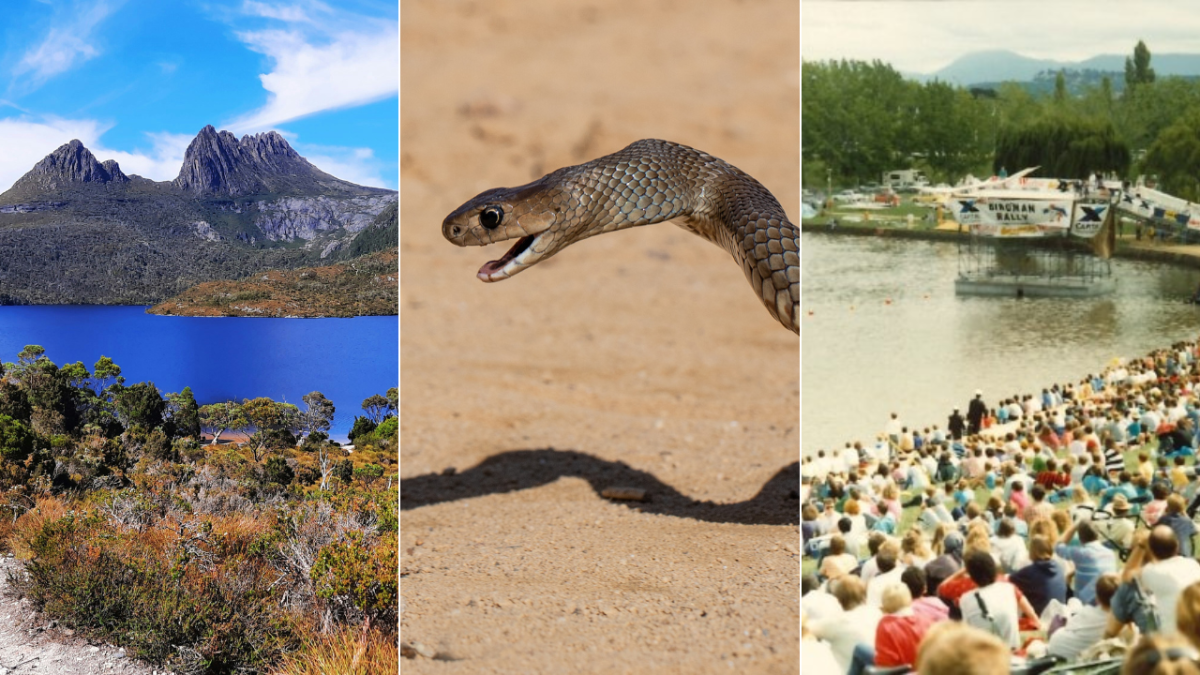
pixel 67 43
pixel 28 141
pixel 335 62
pixel 357 165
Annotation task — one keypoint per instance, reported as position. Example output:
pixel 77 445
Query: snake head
pixel 528 214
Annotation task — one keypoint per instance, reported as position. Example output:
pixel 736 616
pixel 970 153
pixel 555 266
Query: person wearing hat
pixel 1117 530
pixel 975 412
pixel 956 425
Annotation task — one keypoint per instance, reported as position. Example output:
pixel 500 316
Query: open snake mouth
pixel 509 263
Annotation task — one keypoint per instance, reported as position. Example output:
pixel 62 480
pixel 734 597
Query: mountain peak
pixel 217 162
pixel 71 163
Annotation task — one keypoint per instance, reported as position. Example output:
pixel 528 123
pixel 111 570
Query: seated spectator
pixel 1162 655
pixel 1019 499
pixel 1187 614
pixel 1117 530
pixel 870 568
pixel 950 648
pixel 1088 625
pixel 837 561
pixel 1044 579
pixel 1124 486
pixel 1183 526
pixel 816 603
pixel 900 630
pixel 1158 505
pixel 890 569
pixel 1009 547
pixel 1168 574
pixel 914 549
pixel 948 562
pixel 1090 557
pixel 992 606
pixel 923 603
pixel 854 626
pixel 1039 507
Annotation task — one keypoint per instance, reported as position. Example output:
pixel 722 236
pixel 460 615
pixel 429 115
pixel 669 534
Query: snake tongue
pixel 493 270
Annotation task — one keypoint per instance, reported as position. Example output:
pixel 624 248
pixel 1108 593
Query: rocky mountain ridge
pixel 70 163
pixel 77 230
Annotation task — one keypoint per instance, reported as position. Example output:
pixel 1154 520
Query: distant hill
pixel 994 66
pixel 75 230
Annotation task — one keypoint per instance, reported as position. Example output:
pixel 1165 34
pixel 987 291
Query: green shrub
pixel 362 576
pixel 278 471
pixel 115 586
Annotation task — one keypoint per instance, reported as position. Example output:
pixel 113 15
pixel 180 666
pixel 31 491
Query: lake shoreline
pixel 1186 255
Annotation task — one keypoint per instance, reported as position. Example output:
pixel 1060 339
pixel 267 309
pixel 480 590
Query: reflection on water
pixel 884 332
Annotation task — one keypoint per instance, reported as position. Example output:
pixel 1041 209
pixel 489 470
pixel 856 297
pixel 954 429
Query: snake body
pixel 647 182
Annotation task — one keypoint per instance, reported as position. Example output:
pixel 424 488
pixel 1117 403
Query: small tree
pixel 344 470
pixel 319 414
pixel 105 374
pixel 362 426
pixel 184 413
pixel 268 419
pixel 278 471
pixel 377 407
pixel 216 418
pixel 141 404
pixel 16 440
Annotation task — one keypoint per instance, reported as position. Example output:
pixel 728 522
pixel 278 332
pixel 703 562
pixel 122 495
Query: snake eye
pixel 491 217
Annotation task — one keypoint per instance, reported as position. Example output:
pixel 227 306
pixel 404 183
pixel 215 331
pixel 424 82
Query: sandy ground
pixel 637 359
pixel 30 645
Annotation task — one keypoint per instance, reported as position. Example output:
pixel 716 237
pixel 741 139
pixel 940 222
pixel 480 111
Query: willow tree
pixel 1175 158
pixel 1064 146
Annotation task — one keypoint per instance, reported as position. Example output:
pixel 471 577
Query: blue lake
pixel 220 358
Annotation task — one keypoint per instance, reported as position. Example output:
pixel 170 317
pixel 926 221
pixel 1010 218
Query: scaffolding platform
pixel 1021 269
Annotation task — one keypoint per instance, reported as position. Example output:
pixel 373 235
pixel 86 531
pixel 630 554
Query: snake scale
pixel 648 182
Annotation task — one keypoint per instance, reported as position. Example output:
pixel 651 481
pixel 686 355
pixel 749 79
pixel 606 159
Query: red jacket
pixel 897 639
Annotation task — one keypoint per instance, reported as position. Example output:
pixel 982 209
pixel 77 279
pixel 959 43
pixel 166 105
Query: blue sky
pixel 135 80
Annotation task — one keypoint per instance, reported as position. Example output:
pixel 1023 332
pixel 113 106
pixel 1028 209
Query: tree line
pixel 62 421
pixel 861 119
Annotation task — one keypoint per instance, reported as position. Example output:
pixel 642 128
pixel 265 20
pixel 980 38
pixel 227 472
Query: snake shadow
pixel 777 503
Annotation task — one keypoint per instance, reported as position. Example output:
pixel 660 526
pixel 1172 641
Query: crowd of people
pixel 1049 530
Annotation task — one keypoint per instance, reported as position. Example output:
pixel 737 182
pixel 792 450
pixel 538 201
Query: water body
pixel 887 334
pixel 220 358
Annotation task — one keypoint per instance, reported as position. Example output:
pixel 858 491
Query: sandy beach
pixel 639 359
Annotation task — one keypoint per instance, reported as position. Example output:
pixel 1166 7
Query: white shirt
pixel 817 656
pixel 1012 552
pixel 846 630
pixel 1166 579
pixel 1001 601
pixel 1084 629
pixel 881 581
pixel 819 605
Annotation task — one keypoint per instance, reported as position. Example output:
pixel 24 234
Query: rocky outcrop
pixel 71 164
pixel 306 218
pixel 217 163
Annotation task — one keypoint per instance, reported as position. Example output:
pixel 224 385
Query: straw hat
pixel 1120 504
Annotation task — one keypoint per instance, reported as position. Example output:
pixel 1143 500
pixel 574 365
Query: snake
pixel 649 181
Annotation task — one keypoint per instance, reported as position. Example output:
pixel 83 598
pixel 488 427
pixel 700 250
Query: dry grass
pixel 349 651
pixel 238 531
pixel 47 510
